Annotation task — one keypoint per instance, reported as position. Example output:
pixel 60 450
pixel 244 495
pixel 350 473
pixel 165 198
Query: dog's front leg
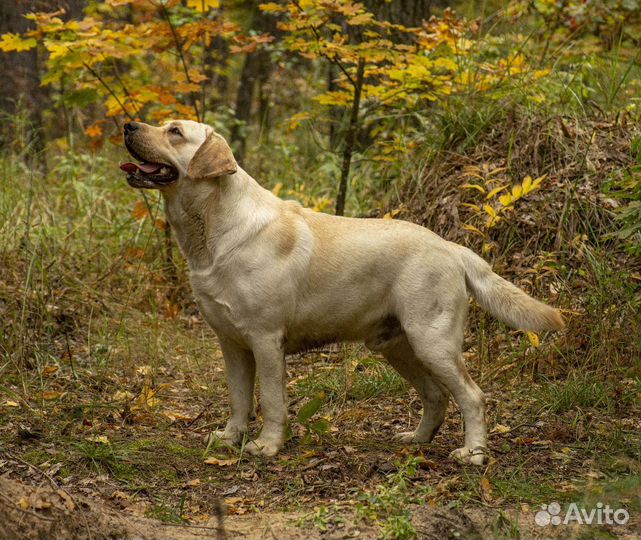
pixel 240 372
pixel 270 364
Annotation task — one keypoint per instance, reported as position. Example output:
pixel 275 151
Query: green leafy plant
pixel 387 506
pixel 313 426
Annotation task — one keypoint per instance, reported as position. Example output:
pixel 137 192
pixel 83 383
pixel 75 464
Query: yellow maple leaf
pixel 362 18
pixel 13 42
pixel 203 5
pixel 271 7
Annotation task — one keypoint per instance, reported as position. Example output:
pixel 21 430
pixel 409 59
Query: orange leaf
pixel 170 310
pixel 486 489
pixel 51 395
pixel 134 253
pixel 140 211
pixel 50 370
pixel 94 131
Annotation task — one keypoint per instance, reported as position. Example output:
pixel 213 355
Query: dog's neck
pixel 211 218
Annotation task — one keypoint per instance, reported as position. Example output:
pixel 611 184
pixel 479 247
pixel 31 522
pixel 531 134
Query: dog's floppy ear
pixel 214 158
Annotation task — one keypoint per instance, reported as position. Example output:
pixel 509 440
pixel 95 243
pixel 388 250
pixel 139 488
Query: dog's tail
pixel 505 301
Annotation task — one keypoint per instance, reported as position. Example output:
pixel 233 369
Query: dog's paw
pixel 473 456
pixel 225 438
pixel 263 447
pixel 406 437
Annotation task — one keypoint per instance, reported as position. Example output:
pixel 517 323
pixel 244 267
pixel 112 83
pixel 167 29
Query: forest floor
pixel 104 448
pixel 110 381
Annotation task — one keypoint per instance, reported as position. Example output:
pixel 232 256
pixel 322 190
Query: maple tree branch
pixel 332 59
pixel 108 88
pixel 124 87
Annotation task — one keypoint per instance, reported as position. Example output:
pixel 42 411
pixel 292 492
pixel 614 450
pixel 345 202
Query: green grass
pixel 520 487
pixel 356 380
pixel 574 393
pixel 167 514
pixel 103 458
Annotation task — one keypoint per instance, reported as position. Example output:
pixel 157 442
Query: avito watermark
pixel 601 514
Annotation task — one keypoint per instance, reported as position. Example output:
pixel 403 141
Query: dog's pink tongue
pixel 147 168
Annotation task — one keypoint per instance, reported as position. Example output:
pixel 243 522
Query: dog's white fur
pixel 272 278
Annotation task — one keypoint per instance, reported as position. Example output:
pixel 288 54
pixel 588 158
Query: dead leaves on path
pixel 40 501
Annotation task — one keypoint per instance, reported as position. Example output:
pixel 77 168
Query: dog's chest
pixel 215 303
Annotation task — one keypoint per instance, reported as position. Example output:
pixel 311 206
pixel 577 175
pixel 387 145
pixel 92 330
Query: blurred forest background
pixel 511 127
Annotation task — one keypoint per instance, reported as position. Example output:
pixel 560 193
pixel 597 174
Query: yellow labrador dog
pixel 273 278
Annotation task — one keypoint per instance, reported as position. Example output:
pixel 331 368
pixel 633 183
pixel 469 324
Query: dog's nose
pixel 130 127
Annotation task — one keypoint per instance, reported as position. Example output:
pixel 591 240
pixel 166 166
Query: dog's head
pixel 180 150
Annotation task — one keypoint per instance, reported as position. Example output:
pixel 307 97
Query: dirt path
pixel 33 512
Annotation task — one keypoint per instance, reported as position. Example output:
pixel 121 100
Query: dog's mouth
pixel 148 174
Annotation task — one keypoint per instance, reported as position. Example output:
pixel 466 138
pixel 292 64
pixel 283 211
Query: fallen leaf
pixel 69 504
pixel 10 403
pixel 100 439
pixel 500 428
pixel 40 504
pixel 231 490
pixel 486 489
pixel 221 462
pixel 50 370
pixel 50 395
pixel 120 495
pixel 123 395
pixel 178 417
pixel 144 370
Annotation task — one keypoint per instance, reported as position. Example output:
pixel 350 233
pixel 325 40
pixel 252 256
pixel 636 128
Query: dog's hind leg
pixel 433 396
pixel 436 340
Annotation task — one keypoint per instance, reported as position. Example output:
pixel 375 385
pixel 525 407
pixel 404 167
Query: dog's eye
pixel 175 131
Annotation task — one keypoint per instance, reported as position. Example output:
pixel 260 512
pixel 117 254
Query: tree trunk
pixel 20 88
pixel 215 88
pixel 244 97
pixel 350 139
pixel 256 71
